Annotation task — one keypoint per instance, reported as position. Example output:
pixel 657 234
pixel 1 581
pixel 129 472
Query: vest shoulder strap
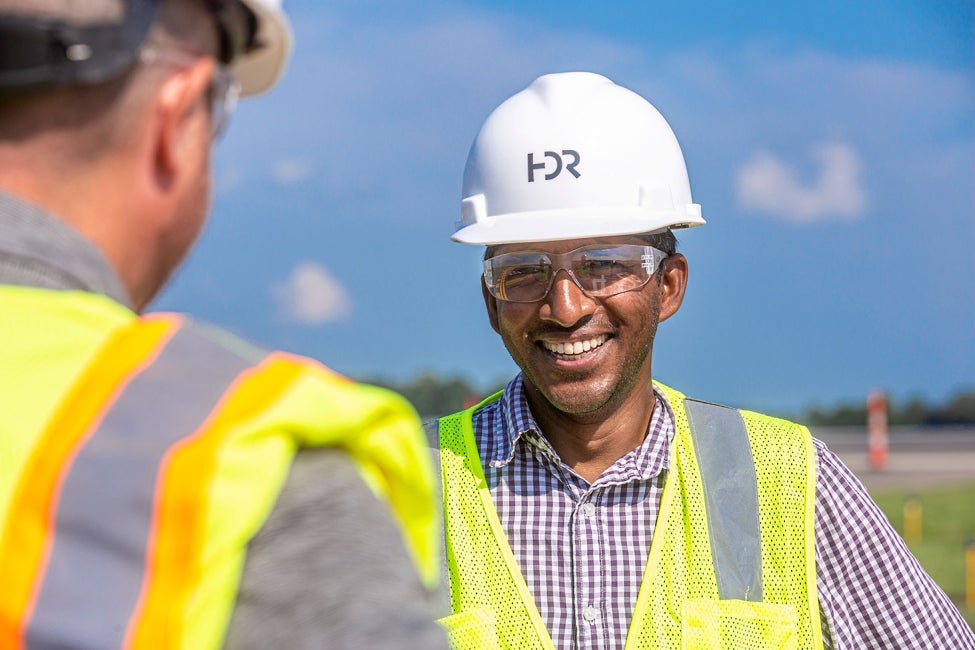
pixel 727 470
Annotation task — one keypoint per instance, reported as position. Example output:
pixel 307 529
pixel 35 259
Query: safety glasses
pixel 224 88
pixel 527 276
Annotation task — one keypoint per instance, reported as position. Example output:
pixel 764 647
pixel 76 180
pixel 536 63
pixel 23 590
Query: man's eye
pixel 596 268
pixel 526 273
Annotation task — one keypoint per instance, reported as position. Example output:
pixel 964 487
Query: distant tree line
pixel 433 396
pixel 959 410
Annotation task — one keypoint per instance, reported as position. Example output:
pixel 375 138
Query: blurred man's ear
pixel 182 112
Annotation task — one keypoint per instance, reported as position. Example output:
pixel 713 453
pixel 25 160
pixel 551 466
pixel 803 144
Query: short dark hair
pixel 665 241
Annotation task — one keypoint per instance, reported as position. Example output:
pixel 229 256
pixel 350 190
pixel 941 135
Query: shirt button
pixel 590 614
pixel 588 509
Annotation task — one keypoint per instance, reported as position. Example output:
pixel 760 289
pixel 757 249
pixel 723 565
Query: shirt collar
pixel 516 420
pixel 39 250
pixel 516 424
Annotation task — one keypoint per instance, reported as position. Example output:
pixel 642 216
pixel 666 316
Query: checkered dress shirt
pixel 582 548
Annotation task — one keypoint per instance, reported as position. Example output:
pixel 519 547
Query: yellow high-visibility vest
pixel 731 564
pixel 139 456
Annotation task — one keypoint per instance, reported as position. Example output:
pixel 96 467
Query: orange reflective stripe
pixel 27 534
pixel 105 516
pixel 174 557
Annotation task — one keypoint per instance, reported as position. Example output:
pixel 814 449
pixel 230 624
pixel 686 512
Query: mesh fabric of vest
pixel 489 596
pixel 679 604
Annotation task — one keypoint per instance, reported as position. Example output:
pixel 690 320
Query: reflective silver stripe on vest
pixel 431 428
pixel 97 564
pixel 724 457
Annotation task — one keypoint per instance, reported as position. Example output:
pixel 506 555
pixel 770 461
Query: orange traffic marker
pixel 877 438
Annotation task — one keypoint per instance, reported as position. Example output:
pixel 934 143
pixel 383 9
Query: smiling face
pixel 585 357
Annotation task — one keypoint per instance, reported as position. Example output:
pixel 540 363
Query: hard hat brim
pixel 573 223
pixel 260 70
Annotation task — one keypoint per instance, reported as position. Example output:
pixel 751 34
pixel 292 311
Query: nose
pixel 566 304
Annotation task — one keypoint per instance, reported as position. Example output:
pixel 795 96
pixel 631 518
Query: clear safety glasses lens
pixel 223 92
pixel 527 276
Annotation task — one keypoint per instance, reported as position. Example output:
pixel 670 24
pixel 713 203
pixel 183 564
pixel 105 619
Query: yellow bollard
pixel 970 575
pixel 913 512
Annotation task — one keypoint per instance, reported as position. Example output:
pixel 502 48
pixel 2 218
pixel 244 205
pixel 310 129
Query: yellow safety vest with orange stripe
pixel 138 456
pixel 731 564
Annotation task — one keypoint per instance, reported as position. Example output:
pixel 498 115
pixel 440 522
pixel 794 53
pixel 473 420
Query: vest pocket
pixel 738 624
pixel 471 629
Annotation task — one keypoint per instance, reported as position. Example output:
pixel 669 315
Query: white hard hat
pixel 258 70
pixel 572 156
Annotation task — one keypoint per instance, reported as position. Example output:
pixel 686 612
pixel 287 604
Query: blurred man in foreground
pixel 163 484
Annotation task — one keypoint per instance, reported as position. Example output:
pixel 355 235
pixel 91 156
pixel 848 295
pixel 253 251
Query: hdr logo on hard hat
pixel 568 166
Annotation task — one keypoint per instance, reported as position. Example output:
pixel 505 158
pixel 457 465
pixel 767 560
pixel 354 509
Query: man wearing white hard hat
pixel 162 484
pixel 587 505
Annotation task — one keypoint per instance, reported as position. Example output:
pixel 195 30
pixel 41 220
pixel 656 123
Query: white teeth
pixel 571 349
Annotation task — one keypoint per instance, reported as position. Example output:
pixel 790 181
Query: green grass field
pixel 947 525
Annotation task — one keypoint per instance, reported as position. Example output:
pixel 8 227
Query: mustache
pixel 598 325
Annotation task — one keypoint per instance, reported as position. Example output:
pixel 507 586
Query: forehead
pixel 567 244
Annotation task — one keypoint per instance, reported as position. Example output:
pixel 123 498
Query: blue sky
pixel 830 144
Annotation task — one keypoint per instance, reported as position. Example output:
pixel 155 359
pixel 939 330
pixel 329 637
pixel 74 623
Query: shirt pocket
pixel 471 629
pixel 739 625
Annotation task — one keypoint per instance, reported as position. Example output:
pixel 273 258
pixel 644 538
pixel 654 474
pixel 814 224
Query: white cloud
pixel 291 172
pixel 312 296
pixel 773 187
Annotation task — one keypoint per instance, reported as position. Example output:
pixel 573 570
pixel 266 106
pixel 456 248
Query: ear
pixel 673 284
pixel 182 119
pixel 491 303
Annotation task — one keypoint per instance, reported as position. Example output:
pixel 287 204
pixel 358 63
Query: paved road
pixel 917 458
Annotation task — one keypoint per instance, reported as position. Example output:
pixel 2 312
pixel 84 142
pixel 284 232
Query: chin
pixel 578 399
